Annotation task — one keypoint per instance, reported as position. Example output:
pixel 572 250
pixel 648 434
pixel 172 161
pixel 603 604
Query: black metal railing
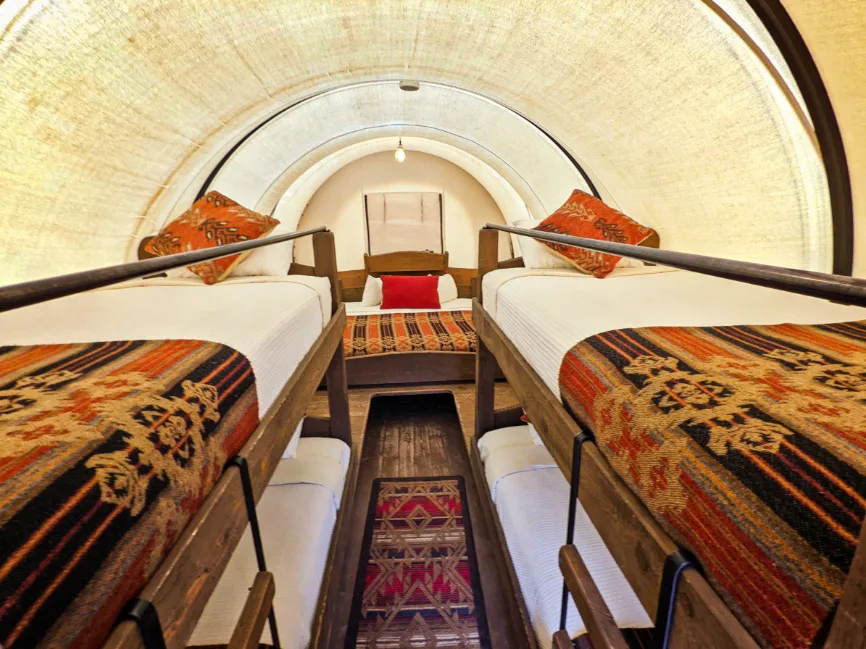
pixel 50 288
pixel 838 288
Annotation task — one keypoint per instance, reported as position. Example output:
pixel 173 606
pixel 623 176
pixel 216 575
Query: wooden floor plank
pixel 416 435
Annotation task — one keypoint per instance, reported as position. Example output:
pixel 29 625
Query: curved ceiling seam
pixel 768 65
pixel 398 126
pixel 556 143
pixel 308 182
pixel 781 27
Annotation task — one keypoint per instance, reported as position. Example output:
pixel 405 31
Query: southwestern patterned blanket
pixel 748 444
pixel 390 333
pixel 106 451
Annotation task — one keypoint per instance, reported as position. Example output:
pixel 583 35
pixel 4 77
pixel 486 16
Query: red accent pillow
pixel 410 292
pixel 213 220
pixel 586 216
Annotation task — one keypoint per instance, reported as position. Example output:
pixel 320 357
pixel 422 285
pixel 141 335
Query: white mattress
pixel 546 313
pixel 531 499
pixel 460 304
pixel 273 321
pixel 297 519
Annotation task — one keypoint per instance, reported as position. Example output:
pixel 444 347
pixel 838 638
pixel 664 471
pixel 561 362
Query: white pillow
pixel 535 254
pixel 372 291
pixel 273 260
pixel 447 289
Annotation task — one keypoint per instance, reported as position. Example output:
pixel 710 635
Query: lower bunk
pixel 739 444
pixel 298 518
pixel 527 500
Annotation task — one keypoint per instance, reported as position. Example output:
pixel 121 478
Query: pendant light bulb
pixel 400 154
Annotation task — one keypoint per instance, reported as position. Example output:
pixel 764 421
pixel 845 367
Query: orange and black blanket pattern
pixel 748 444
pixel 106 451
pixel 423 331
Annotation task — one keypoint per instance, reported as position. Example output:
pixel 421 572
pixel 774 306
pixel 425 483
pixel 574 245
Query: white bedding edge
pixel 495 280
pixel 358 308
pixel 297 514
pixel 532 504
pixel 320 285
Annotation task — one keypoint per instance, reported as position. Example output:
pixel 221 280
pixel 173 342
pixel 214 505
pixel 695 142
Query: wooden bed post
pixel 485 383
pixel 488 256
pixel 848 630
pixel 338 396
pixel 325 255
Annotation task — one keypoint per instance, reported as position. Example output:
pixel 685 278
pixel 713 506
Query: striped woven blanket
pixel 425 331
pixel 748 444
pixel 106 451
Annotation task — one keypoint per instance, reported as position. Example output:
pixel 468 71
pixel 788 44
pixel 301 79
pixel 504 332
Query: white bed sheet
pixel 532 502
pixel 273 321
pixel 545 314
pixel 460 304
pixel 297 520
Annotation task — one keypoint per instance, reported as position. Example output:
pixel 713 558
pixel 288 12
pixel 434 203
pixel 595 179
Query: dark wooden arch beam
pixel 796 53
pixel 794 50
pixel 219 165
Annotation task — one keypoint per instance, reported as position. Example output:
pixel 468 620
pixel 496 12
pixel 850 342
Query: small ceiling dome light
pixel 409 86
pixel 400 154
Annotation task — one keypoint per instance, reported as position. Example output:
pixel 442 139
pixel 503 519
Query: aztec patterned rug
pixel 106 451
pixel 418 583
pixel 390 333
pixel 747 444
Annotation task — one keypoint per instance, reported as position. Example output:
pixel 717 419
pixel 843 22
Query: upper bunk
pixel 722 419
pixel 142 422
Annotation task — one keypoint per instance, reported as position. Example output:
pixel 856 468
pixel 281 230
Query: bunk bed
pixel 555 359
pixel 408 346
pixel 137 463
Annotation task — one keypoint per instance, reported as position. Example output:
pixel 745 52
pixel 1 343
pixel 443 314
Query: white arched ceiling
pixel 528 158
pixel 308 179
pixel 107 110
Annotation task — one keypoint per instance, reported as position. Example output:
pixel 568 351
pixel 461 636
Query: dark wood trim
pixel 848 630
pixel 325 260
pixel 41 290
pixel 410 368
pixel 488 256
pixel 406 261
pixel 516 262
pixel 635 539
pixel 248 630
pixel 301 269
pixel 336 564
pixel 784 32
pixel 600 623
pixel 839 288
pixel 524 633
pixel 186 578
pixel 562 641
pixel 338 396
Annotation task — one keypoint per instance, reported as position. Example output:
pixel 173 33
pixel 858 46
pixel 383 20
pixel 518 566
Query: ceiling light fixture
pixel 400 154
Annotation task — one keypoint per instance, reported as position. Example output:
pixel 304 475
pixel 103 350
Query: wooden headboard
pixel 410 262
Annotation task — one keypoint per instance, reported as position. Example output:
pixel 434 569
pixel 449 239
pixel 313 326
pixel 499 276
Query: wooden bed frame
pixel 635 539
pixel 410 367
pixel 185 579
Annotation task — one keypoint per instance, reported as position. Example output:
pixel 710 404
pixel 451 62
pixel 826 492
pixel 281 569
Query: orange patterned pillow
pixel 584 215
pixel 213 220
